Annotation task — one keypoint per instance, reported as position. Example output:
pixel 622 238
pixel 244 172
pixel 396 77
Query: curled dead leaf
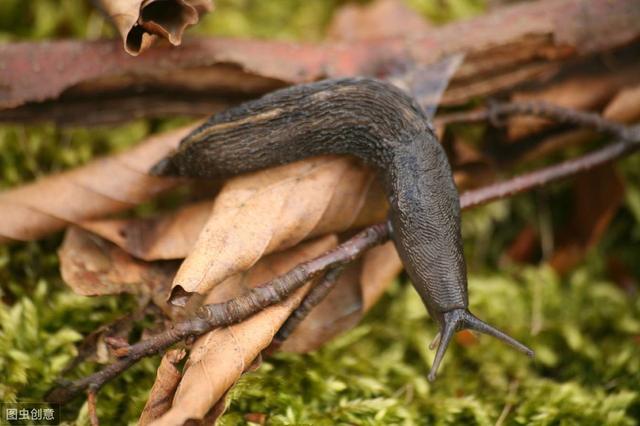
pixel 219 357
pixel 92 266
pixel 140 22
pixel 167 380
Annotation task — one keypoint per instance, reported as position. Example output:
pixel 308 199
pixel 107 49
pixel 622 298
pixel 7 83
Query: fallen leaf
pixel 140 22
pixel 219 357
pixel 106 185
pixel 625 107
pixel 357 290
pixel 92 266
pixel 273 209
pixel 161 394
pixel 166 236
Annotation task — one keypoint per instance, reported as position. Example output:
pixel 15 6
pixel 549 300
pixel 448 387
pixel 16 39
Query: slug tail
pixel 461 319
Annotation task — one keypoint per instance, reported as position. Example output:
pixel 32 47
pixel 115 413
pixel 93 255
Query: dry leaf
pixel 625 107
pixel 106 185
pixel 219 358
pixel 358 289
pixel 139 22
pixel 167 380
pixel 273 209
pixel 166 236
pixel 92 266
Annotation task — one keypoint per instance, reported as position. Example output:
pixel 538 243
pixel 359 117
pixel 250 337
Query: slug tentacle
pixel 380 124
pixel 461 319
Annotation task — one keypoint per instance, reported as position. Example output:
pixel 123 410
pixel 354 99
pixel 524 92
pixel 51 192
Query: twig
pixel 276 290
pixel 311 300
pixel 92 407
pixel 495 111
pixel 230 312
pixel 546 175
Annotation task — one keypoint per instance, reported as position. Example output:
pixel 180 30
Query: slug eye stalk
pixel 461 319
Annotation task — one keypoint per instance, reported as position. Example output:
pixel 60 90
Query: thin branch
pixel 233 311
pixel 92 406
pixel 496 111
pixel 230 312
pixel 311 300
pixel 529 181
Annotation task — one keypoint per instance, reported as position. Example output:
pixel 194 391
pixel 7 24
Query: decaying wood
pixel 511 46
pixel 140 22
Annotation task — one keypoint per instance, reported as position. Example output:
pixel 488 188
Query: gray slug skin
pixel 383 126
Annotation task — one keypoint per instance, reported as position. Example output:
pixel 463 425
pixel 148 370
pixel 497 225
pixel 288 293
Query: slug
pixel 380 124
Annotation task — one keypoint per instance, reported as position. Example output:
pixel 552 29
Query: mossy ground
pixel 587 339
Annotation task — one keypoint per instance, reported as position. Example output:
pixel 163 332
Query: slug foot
pixel 462 319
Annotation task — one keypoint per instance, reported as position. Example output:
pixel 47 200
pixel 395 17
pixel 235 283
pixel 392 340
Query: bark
pixel 514 45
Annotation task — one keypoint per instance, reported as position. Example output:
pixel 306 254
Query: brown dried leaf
pixel 140 22
pixel 167 236
pixel 219 358
pixel 358 289
pixel 167 380
pixel 380 19
pixel 92 266
pixel 106 185
pixel 625 107
pixel 274 209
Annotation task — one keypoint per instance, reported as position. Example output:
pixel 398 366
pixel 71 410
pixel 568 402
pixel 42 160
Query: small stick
pixel 495 111
pixel 230 312
pixel 546 175
pixel 92 407
pixel 311 300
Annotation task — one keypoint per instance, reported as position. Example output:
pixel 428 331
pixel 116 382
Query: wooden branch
pixel 92 401
pixel 496 111
pixel 311 300
pixel 233 311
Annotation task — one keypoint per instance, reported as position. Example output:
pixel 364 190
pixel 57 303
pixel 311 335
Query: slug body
pixel 383 126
